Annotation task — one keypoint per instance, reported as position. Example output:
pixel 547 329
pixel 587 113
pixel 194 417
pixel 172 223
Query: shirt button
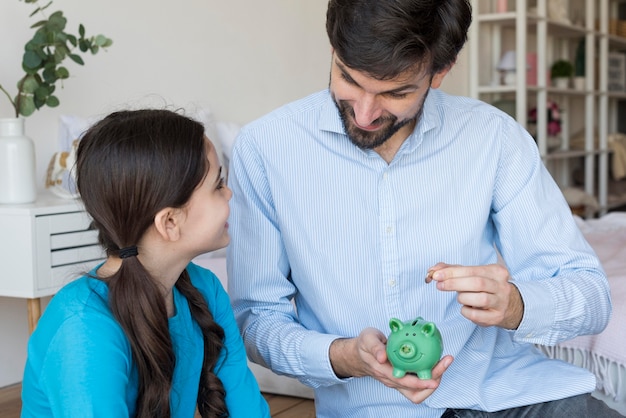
pixel 389 229
pixel 385 176
pixel 392 282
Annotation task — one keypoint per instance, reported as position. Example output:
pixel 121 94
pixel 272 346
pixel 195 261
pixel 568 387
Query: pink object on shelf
pixel 502 6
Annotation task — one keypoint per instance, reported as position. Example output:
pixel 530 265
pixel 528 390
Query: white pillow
pixel 227 132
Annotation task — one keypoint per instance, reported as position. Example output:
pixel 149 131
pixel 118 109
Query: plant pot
pixel 17 163
pixel 561 82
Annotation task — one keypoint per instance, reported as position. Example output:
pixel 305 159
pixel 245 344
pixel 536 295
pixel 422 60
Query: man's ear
pixel 167 223
pixel 438 78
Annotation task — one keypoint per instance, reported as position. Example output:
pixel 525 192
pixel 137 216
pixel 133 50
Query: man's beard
pixel 370 140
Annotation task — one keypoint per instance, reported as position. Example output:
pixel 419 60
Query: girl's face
pixel 205 227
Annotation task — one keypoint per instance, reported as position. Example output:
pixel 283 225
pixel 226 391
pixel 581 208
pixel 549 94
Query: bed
pixel 604 354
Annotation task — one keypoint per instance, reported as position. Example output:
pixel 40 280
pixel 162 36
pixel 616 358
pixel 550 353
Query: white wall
pixel 240 58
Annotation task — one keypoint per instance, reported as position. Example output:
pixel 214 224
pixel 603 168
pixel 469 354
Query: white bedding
pixel 604 354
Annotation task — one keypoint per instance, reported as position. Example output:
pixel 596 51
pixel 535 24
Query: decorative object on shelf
pixel 617 72
pixel 502 6
pixel 60 178
pixel 617 144
pixel 557 11
pixel 561 72
pixel 579 66
pixel 17 163
pixel 507 68
pixel 42 64
pixel 554 115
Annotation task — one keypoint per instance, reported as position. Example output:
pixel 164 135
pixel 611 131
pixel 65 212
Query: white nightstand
pixel 44 245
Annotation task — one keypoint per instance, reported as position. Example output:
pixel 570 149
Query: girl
pixel 146 333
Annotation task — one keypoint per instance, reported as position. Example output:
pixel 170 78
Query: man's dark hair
pixel 385 38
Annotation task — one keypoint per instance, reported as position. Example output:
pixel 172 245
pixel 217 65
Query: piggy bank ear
pixel 428 329
pixel 395 324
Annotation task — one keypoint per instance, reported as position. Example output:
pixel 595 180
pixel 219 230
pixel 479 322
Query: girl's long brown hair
pixel 129 166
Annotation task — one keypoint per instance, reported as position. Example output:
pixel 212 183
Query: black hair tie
pixel 128 251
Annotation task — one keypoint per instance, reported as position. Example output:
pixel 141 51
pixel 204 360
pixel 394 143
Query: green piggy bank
pixel 413 346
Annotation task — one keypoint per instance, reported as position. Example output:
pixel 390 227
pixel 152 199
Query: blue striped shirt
pixel 350 238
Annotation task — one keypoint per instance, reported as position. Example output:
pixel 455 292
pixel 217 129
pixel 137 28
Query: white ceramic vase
pixel 17 163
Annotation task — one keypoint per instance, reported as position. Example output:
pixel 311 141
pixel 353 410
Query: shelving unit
pixel 535 28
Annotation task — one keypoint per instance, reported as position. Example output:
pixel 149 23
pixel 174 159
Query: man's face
pixel 373 110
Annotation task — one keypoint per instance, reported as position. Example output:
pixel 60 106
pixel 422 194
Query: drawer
pixel 65 222
pixel 76 255
pixel 66 249
pixel 73 239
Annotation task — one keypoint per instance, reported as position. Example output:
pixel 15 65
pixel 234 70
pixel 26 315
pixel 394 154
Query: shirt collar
pixel 331 121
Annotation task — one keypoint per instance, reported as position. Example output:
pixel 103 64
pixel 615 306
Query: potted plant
pixel 561 72
pixel 42 63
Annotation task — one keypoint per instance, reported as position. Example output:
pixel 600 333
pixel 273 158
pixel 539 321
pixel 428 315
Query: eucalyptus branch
pixel 10 100
pixel 42 59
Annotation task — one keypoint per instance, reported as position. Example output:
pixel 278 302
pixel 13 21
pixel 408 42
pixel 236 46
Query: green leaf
pixel 38 24
pixel 29 85
pixel 42 93
pixel 62 73
pixel 56 22
pixel 94 49
pixel 40 37
pixel 31 60
pixel 83 45
pixel 49 75
pixel 60 52
pixel 72 39
pixel 101 40
pixel 108 43
pixel 81 30
pixel 52 101
pixel 77 59
pixel 27 106
pixel 38 102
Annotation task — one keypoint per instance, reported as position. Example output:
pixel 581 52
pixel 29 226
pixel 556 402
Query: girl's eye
pixel 220 184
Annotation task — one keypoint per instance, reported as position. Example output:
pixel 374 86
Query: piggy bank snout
pixel 407 350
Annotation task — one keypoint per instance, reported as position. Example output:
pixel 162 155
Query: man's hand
pixel 486 293
pixel 366 355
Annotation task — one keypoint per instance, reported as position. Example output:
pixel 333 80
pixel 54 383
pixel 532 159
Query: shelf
pixel 616 42
pixel 562 154
pixel 618 95
pixel 549 90
pixel 557 28
pixel 592 113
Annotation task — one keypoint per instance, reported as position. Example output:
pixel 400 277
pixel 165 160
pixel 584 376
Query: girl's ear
pixel 167 223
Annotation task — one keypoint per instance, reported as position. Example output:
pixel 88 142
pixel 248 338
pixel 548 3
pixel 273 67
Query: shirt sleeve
pixel 86 368
pixel 243 396
pixel 259 280
pixel 563 286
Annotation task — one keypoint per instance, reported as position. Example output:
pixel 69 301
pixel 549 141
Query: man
pixel 383 197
